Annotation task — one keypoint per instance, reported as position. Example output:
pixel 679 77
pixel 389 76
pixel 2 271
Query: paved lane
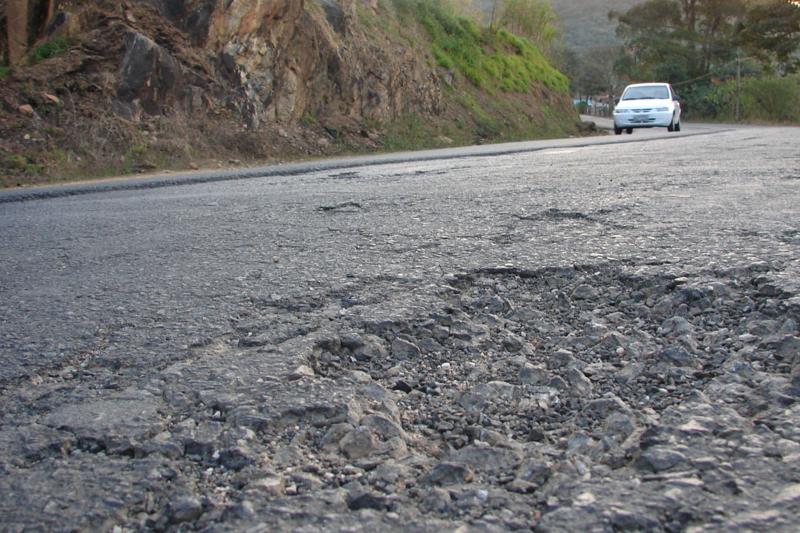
pixel 207 176
pixel 139 315
pixel 159 268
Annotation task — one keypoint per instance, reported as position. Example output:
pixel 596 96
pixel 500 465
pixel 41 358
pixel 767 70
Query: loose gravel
pixel 600 397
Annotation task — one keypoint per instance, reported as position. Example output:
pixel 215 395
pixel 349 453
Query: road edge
pixel 295 169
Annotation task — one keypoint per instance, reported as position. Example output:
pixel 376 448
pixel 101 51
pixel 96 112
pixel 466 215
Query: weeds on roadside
pixel 407 133
pixel 50 49
pixel 19 164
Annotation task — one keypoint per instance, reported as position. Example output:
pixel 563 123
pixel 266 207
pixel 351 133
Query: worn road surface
pixel 584 334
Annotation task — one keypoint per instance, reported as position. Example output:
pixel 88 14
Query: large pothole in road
pixel 572 335
pixel 561 398
pixel 600 397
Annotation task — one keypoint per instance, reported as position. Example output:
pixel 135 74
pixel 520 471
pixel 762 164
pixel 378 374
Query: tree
pixel 536 20
pixel 592 73
pixel 17 29
pixel 698 44
pixel 462 8
pixel 496 8
pixel 25 21
pixel 717 22
pixel 679 40
pixel 658 43
pixel 771 33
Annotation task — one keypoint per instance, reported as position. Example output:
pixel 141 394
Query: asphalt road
pixel 104 286
pixel 201 176
pixel 147 271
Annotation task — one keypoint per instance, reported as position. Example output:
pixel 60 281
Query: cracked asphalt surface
pixel 412 343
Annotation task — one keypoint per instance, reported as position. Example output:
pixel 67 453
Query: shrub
pixel 19 164
pixel 308 120
pixel 772 99
pixel 698 101
pixel 50 49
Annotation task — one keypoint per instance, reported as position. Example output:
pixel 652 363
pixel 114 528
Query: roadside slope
pixel 115 88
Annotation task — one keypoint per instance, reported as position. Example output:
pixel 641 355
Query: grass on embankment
pixel 502 87
pixel 491 60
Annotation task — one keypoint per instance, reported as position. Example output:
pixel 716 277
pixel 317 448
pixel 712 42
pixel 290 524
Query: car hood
pixel 644 104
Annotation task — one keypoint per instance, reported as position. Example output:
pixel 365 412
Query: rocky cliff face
pixel 141 84
pixel 280 60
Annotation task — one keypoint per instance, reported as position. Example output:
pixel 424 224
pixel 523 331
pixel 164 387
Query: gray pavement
pixel 112 294
pixel 293 169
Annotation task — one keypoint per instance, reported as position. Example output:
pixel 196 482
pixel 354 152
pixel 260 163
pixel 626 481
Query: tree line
pixel 729 59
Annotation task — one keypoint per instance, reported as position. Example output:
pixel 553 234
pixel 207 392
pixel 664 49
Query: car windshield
pixel 648 92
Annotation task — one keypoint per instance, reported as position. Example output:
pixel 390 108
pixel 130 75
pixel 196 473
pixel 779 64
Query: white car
pixel 647 105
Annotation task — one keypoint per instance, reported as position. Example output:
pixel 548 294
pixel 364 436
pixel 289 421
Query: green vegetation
pixel 135 156
pixel 728 60
pixel 773 99
pixel 19 164
pixel 308 120
pixel 367 17
pixel 491 60
pixel 533 19
pixel 4 71
pixel 497 79
pixel 486 84
pixel 486 126
pixel 408 133
pixel 482 119
pixel 703 47
pixel 50 49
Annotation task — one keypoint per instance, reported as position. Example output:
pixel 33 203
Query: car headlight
pixel 621 111
pixel 662 109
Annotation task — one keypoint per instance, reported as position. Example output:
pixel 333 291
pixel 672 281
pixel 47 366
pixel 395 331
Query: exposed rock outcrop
pixel 150 78
pixel 288 58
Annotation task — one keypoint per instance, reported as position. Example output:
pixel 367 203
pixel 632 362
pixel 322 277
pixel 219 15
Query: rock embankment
pixel 123 87
pixel 287 59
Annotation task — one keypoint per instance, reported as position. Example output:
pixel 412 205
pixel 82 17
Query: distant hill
pixel 586 23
